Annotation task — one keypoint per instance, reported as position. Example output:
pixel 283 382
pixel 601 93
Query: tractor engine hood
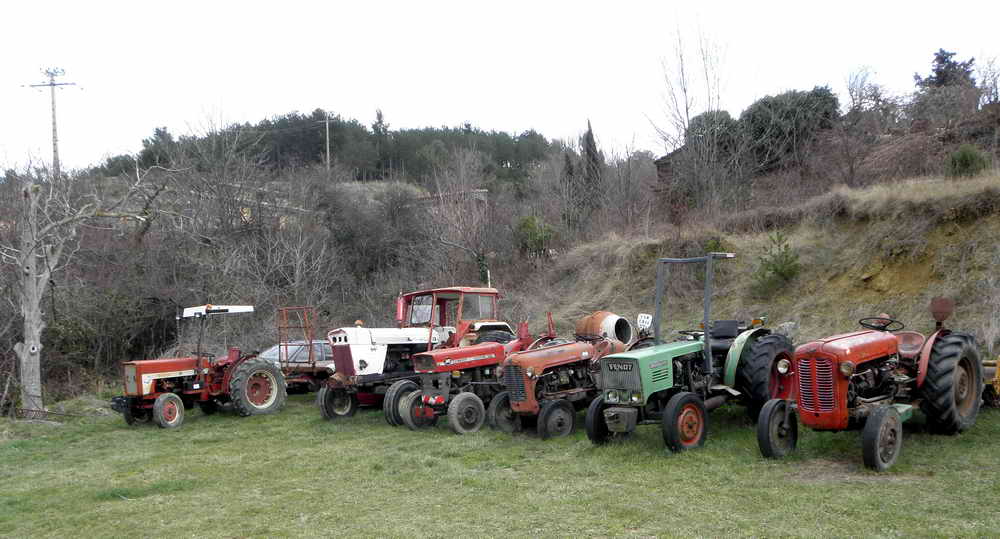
pixel 552 356
pixel 856 347
pixel 453 359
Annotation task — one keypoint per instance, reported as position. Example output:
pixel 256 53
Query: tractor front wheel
pixel 556 418
pixel 393 396
pixel 257 386
pixel 409 409
pixel 597 428
pixel 757 372
pixel 334 403
pixel 466 413
pixel 882 438
pixel 953 387
pixel 685 422
pixel 168 411
pixel 501 416
pixel 777 437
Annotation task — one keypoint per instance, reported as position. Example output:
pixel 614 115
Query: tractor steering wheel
pixel 881 323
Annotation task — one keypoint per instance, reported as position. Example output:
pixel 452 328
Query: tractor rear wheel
pixel 393 396
pixel 757 372
pixel 775 437
pixel 685 422
pixel 168 411
pixel 500 336
pixel 556 418
pixel 257 386
pixel 466 413
pixel 882 438
pixel 408 411
pixel 500 416
pixel 334 403
pixel 208 407
pixel 953 386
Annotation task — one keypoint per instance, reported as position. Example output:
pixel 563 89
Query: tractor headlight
pixel 612 397
pixel 531 373
pixel 784 366
pixel 846 368
pixel 636 398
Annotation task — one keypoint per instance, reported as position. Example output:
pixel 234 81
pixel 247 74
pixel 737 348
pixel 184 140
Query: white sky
pixel 508 65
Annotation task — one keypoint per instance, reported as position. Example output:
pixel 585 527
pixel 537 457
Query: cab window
pixel 478 307
pixel 421 310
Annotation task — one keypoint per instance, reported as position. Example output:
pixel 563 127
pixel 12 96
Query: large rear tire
pixel 556 418
pixel 757 373
pixel 466 413
pixel 168 411
pixel 393 396
pixel 501 416
pixel 407 409
pixel 257 387
pixel 953 386
pixel 882 438
pixel 775 437
pixel 685 422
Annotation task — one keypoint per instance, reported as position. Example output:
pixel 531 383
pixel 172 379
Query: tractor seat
pixel 910 343
pixel 724 332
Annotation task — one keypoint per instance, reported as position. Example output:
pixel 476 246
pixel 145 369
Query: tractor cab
pixel 455 315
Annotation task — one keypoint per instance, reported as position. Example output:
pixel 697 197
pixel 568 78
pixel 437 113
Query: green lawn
pixel 295 474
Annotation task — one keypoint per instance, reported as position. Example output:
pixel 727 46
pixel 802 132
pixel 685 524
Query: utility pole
pixel 52 73
pixel 327 122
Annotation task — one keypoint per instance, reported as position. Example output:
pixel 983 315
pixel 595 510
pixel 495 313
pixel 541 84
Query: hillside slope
pixel 891 248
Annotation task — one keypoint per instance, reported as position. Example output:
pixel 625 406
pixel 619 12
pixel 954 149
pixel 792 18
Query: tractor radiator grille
pixel 620 374
pixel 816 385
pixel 513 379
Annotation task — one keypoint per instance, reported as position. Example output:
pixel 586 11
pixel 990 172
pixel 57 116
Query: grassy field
pixel 295 474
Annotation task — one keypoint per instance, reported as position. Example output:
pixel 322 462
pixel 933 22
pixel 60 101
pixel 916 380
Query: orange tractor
pixel 162 389
pixel 871 380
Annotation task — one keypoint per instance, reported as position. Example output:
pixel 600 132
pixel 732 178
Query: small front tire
pixel 597 428
pixel 775 437
pixel 408 411
pixel 882 438
pixel 685 422
pixel 501 416
pixel 168 411
pixel 466 413
pixel 556 418
pixel 393 396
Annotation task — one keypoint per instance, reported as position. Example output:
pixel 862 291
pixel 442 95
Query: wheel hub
pixel 170 411
pixel 259 389
pixel 689 424
pixel 888 440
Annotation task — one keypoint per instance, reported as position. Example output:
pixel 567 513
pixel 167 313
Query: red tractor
pixel 376 364
pixel 550 384
pixel 871 380
pixel 162 389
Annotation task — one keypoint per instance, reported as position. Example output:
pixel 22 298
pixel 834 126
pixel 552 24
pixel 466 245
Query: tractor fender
pixel 925 355
pixel 736 353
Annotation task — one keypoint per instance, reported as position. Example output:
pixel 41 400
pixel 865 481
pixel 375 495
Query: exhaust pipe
pixel 715 402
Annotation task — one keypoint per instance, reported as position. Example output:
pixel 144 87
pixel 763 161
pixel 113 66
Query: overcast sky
pixel 511 66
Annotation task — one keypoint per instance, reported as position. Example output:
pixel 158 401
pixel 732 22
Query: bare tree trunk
pixel 34 281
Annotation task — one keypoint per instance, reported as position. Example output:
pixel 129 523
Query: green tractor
pixel 676 383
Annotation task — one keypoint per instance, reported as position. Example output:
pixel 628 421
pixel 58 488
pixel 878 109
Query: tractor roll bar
pixel 661 278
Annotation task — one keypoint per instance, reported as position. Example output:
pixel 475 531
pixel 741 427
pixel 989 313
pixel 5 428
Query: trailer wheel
pixel 208 407
pixel 500 416
pixel 466 413
pixel 685 422
pixel 408 410
pixel 953 387
pixel 597 427
pixel 556 418
pixel 393 396
pixel 757 372
pixel 500 336
pixel 257 387
pixel 774 438
pixel 882 438
pixel 168 411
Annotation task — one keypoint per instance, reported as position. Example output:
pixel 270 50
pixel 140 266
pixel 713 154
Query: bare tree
pixel 50 212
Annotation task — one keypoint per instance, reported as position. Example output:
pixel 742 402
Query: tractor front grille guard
pixel 621 374
pixel 513 378
pixel 816 385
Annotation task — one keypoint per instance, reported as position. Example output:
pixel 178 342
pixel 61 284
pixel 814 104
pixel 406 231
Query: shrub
pixel 778 266
pixel 533 236
pixel 966 161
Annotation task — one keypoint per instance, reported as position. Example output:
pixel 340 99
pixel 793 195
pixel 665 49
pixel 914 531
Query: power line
pixel 52 73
